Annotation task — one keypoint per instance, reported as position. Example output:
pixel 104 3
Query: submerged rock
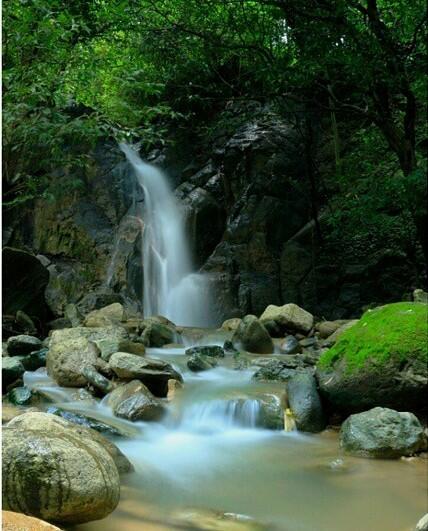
pixel 382 432
pixel 153 373
pixel 305 403
pixel 289 317
pixel 57 474
pixel 22 345
pixel 252 336
pixel 380 361
pixel 213 351
pixel 199 362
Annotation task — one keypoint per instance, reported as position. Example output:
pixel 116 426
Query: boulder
pixel 379 361
pixel 231 324
pixel 57 475
pixel 419 295
pixel 290 345
pixel 96 379
pixel 153 373
pixel 382 432
pixel 199 362
pixel 72 313
pixel 19 396
pixel 271 414
pixel 212 351
pixel 11 370
pixel 24 282
pixel 289 317
pixel 47 422
pixel 22 345
pixel 346 325
pixel 132 347
pixel 21 522
pixel 66 360
pixel 113 314
pixel 107 338
pixel 305 403
pixel 252 336
pixel 133 401
pixel 157 334
pixel 327 328
pixel 174 386
pixel 35 360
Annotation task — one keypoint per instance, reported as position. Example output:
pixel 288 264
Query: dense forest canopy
pixel 78 71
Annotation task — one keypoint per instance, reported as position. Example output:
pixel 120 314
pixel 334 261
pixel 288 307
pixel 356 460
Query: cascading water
pixel 171 288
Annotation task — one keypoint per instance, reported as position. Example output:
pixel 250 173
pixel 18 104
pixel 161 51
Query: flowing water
pixel 208 453
pixel 171 287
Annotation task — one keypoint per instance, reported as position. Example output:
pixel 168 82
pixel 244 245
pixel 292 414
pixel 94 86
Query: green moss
pixel 395 332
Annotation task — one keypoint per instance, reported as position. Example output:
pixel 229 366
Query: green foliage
pixel 77 72
pixel 395 332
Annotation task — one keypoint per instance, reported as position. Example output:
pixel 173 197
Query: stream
pixel 208 454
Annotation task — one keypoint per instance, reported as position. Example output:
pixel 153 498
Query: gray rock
pixel 199 363
pixel 289 317
pixel 22 345
pixel 47 422
pixel 382 432
pixel 252 336
pixel 305 403
pixel 85 421
pixel 213 351
pixel 35 360
pixel 290 345
pixel 19 396
pixel 157 334
pixel 419 295
pixel 11 370
pixel 72 313
pixel 97 380
pixel 133 401
pixel 57 475
pixel 153 373
pixel 113 314
pixel 66 360
pixel 25 323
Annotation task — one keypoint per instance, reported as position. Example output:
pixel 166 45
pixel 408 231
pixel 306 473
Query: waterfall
pixel 171 288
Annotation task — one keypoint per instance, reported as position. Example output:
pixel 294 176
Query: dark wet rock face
pixel 305 403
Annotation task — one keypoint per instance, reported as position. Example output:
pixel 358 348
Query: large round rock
pixel 382 432
pixel 252 336
pixel 58 476
pixel 380 361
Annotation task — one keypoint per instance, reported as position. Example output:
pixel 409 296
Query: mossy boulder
pixel 380 361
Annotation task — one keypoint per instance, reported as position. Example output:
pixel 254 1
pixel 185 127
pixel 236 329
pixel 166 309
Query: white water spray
pixel 171 288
